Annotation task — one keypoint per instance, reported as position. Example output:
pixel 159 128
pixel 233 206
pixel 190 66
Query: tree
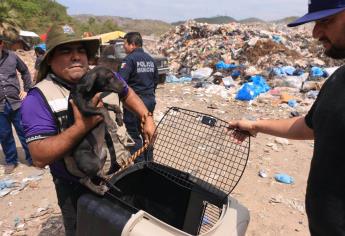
pixel 9 24
pixel 109 26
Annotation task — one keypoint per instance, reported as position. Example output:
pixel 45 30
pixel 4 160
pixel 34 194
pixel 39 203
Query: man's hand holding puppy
pixel 87 123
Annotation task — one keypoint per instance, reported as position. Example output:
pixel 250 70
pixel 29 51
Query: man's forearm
pixel 48 150
pixel 294 128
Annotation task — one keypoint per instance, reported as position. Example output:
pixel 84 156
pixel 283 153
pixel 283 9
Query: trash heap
pixel 195 45
pixel 251 59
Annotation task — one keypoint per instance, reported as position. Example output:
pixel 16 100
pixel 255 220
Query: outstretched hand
pixel 242 129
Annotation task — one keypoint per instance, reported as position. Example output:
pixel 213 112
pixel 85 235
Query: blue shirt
pixel 140 72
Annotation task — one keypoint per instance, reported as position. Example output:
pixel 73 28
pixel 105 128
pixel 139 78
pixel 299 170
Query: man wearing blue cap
pixel 324 123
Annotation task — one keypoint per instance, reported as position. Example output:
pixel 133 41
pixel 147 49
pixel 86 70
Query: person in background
pixel 140 72
pixel 11 97
pixel 324 123
pixel 109 59
pixel 40 49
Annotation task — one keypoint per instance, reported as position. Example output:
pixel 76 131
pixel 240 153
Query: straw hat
pixel 62 34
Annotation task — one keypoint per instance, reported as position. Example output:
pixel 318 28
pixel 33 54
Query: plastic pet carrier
pixel 183 191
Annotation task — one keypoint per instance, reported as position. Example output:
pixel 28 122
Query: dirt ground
pixel 275 208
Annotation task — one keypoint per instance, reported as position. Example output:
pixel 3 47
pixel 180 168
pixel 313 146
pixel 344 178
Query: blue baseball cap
pixel 319 9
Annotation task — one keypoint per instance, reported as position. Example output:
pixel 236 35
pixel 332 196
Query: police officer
pixel 140 72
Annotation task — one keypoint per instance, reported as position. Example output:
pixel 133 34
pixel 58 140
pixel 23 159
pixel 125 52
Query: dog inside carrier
pixel 184 190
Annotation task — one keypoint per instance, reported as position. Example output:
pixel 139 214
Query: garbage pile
pixel 195 45
pixel 248 58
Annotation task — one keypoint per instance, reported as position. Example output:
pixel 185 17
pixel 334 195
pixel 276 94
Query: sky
pixel 176 10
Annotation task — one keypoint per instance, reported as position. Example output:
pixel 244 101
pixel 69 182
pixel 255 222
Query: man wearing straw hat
pixel 44 113
pixel 324 123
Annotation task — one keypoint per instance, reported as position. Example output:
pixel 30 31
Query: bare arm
pixel 48 150
pixel 293 128
pixel 135 104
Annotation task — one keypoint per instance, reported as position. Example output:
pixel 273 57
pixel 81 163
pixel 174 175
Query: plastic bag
pixel 318 72
pixel 235 74
pixel 292 103
pixel 174 79
pixel 202 73
pixel 284 71
pixel 284 178
pixel 228 82
pixel 277 38
pixel 221 65
pixel 251 90
pixel 260 83
pixel 246 93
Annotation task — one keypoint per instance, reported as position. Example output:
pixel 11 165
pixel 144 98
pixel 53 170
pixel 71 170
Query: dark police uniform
pixel 141 74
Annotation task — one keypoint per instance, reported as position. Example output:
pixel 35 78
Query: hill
pixel 145 27
pixel 285 20
pixel 252 20
pixel 210 20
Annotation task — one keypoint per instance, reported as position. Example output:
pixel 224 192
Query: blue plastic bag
pixel 235 74
pixel 174 79
pixel 284 71
pixel 292 103
pixel 222 65
pixel 246 93
pixel 260 83
pixel 252 89
pixel 277 38
pixel 318 72
pixel 284 178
